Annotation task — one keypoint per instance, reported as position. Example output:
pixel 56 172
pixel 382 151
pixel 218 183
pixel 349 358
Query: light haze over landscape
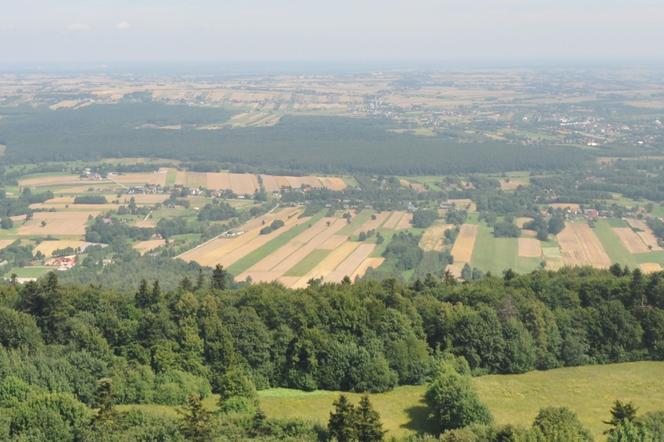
pixel 77 31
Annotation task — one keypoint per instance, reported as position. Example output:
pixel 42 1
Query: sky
pixel 207 31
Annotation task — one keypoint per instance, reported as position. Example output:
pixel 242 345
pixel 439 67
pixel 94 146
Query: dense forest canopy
pixel 298 143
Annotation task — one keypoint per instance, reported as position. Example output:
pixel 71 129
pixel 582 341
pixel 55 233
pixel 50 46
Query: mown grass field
pixel 513 399
pixel 494 255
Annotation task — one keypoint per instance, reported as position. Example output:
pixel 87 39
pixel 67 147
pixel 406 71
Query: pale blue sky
pixel 87 31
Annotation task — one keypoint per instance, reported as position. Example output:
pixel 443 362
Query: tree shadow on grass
pixel 418 419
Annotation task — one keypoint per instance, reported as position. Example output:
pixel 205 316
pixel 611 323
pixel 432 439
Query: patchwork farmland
pixel 305 248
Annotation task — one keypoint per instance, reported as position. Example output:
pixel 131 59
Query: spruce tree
pixel 341 425
pixel 196 425
pixel 219 275
pixel 367 422
pixel 621 412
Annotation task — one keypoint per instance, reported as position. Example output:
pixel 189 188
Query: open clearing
pixel 513 399
pixel 580 246
pixel 57 223
pixel 530 247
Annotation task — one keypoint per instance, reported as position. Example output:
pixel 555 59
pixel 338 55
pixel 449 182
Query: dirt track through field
pixel 465 243
pixel 580 246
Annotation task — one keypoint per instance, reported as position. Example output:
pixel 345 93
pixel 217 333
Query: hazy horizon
pixel 486 32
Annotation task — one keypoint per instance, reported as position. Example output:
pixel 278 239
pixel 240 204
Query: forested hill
pixel 297 143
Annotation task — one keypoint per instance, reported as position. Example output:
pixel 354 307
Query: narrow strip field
pixel 228 250
pixel 465 243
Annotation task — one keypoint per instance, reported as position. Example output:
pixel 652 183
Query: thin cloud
pixel 123 25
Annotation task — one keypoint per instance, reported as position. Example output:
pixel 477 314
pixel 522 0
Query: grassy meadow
pixel 513 399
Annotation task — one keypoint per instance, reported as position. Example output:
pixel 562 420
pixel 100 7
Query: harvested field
pixel 4 243
pixel 48 247
pixel 314 243
pixel 373 263
pixel 243 183
pixel 50 181
pixel 333 183
pixel 530 248
pixel 433 238
pixel 270 183
pixel 646 234
pixel 226 251
pixel 372 224
pixel 417 187
pixel 631 240
pixel 580 246
pixel 464 203
pixel 328 264
pixel 521 221
pixel 405 222
pixel 650 267
pixel 146 223
pixel 510 185
pixel 195 180
pixel 144 247
pixel 271 261
pixel 333 242
pixel 57 223
pixel 218 181
pixel 529 234
pixel 393 220
pixel 349 265
pixel 75 207
pixel 465 243
pixel 455 269
pixel 153 178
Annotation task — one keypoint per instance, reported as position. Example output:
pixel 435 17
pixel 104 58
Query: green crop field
pixel 308 263
pixel 612 243
pixel 494 255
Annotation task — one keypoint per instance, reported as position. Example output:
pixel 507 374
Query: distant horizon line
pixel 324 65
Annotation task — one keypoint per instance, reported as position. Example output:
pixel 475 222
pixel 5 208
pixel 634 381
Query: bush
pixel 174 387
pixel 453 403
